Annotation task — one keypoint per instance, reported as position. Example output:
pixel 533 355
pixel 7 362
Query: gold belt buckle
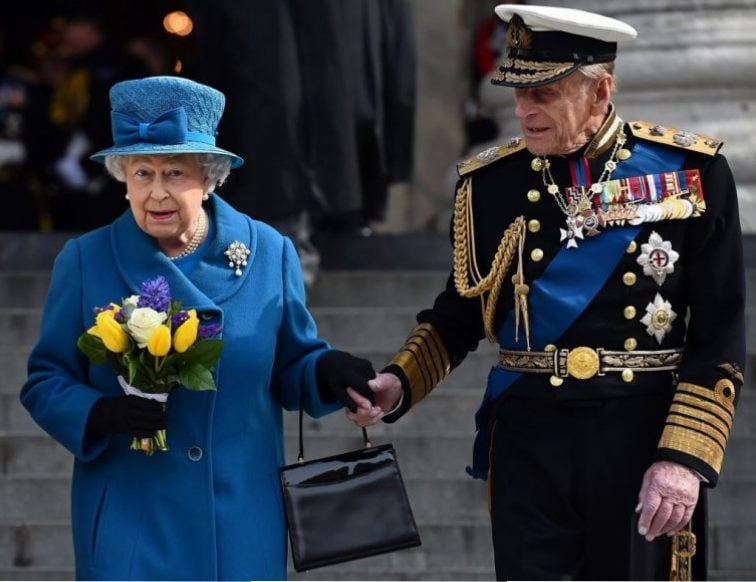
pixel 582 363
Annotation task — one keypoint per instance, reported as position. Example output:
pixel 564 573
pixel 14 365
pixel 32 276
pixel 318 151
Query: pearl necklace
pixel 197 238
pixel 574 210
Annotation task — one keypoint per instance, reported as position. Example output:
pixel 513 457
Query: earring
pixel 205 197
pixel 127 196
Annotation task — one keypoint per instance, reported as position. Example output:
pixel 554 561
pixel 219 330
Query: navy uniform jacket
pixel 705 289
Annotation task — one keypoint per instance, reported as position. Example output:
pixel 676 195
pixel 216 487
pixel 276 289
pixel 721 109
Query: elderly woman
pixel 210 507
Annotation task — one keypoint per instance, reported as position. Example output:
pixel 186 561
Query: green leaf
pixel 204 353
pixel 92 347
pixel 197 378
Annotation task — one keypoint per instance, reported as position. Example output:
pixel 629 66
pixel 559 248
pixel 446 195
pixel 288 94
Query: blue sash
pixel 566 287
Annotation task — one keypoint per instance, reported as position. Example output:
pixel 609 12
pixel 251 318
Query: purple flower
pixel 101 308
pixel 208 331
pixel 156 294
pixel 120 316
pixel 178 318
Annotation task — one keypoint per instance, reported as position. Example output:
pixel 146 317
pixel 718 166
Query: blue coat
pixel 171 515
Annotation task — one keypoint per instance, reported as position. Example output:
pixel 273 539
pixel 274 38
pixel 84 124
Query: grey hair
pixel 215 166
pixel 595 71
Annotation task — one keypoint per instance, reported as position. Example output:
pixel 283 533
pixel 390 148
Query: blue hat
pixel 165 115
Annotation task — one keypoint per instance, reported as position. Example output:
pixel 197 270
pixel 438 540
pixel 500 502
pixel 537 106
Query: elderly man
pixel 604 257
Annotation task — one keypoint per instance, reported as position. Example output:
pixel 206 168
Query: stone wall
pixel 693 66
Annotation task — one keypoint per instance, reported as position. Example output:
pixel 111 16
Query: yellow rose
pixel 186 333
pixel 143 323
pixel 160 341
pixel 111 333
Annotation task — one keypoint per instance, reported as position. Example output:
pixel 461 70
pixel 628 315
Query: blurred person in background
pixel 322 97
pixel 86 197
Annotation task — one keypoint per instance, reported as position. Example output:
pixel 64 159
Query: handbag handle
pixel 300 456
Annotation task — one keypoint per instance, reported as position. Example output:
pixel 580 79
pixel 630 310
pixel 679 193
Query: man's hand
pixel 387 390
pixel 667 498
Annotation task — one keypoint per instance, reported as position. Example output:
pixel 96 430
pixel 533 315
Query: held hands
pixel 667 498
pixel 132 415
pixel 387 390
pixel 346 378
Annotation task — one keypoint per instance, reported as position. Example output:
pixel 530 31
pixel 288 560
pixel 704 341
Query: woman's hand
pixel 387 390
pixel 667 498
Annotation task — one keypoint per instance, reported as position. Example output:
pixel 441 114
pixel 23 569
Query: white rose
pixel 133 300
pixel 143 322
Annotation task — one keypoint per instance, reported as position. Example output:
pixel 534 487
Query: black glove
pixel 337 370
pixel 132 415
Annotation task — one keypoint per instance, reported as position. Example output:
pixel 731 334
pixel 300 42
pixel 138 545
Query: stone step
pixel 13 367
pixel 33 544
pixel 732 548
pixel 23 288
pixel 459 545
pixel 433 499
pixel 471 373
pixel 429 442
pixel 19 326
pixel 357 572
pixel 38 454
pixel 35 497
pixel 415 289
pixel 36 573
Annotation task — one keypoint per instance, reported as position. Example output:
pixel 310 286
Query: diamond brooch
pixel 237 253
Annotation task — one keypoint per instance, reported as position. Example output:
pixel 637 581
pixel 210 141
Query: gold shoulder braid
pixel 466 266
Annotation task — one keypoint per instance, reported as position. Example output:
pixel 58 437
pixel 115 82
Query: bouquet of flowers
pixel 154 346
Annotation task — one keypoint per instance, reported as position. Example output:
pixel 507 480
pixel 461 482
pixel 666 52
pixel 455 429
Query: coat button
pixel 194 453
pixel 630 344
pixel 632 247
pixel 534 195
pixel 536 255
pixel 630 312
pixel 629 278
pixel 534 225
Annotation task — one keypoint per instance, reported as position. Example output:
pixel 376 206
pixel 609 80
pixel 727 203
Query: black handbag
pixel 347 506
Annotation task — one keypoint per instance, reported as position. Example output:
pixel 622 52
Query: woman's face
pixel 165 195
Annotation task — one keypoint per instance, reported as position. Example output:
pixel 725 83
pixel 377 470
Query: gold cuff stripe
pixel 697 425
pixel 689 441
pixel 692 405
pixel 424 361
pixel 709 396
pixel 696 414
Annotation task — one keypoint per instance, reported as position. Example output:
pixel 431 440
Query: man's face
pixel 558 118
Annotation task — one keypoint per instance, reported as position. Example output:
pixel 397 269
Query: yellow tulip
pixel 94 331
pixel 186 333
pixel 111 333
pixel 159 343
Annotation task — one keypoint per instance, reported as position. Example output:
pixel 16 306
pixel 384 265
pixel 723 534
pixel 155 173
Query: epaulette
pixel 674 137
pixel 490 155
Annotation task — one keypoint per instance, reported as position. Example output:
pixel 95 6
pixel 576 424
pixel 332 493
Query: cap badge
pixel 519 36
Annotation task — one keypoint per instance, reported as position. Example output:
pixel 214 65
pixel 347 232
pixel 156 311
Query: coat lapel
pixel 211 282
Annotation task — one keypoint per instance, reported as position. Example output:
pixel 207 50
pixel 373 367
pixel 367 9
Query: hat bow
pixel 169 128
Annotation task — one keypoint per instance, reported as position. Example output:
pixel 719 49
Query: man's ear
pixel 603 94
